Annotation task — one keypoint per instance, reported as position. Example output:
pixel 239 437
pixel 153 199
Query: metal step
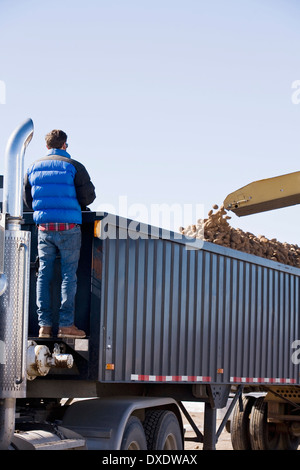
pixel 40 439
pixel 65 444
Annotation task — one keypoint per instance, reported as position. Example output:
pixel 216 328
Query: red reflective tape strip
pixel 200 378
pixel 272 380
pixel 170 378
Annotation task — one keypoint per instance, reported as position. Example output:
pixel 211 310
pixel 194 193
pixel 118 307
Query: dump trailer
pixel 168 319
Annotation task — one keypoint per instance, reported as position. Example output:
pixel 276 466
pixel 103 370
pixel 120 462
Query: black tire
pixel 163 431
pixel 264 435
pixel 134 436
pixel 239 426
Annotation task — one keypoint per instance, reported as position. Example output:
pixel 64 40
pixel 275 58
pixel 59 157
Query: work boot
pixel 45 332
pixel 70 332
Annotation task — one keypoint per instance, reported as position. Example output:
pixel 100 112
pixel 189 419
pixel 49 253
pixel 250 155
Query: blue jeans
pixel 68 243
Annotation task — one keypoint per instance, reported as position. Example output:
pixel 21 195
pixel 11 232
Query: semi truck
pixel 169 319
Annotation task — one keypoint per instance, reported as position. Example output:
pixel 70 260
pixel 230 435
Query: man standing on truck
pixel 57 188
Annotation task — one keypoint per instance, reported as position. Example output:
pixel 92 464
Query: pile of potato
pixel 216 229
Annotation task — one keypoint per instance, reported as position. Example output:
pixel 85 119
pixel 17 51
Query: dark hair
pixel 56 139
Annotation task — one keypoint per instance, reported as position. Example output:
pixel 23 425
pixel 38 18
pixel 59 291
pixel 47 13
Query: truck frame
pixel 168 319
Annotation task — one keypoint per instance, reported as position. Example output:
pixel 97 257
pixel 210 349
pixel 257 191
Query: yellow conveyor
pixel 265 195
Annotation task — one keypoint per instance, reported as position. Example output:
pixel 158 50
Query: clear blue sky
pixel 164 101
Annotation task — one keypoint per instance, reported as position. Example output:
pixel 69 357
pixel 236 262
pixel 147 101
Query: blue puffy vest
pixel 53 190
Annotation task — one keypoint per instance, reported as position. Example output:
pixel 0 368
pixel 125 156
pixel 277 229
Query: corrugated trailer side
pixel 177 310
pixel 167 316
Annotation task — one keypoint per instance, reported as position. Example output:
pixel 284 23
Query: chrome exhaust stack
pixel 14 173
pixel 14 283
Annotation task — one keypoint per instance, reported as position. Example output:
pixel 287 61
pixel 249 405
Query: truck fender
pixel 102 421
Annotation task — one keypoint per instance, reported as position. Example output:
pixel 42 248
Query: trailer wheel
pixel 239 426
pixel 134 436
pixel 264 435
pixel 162 430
